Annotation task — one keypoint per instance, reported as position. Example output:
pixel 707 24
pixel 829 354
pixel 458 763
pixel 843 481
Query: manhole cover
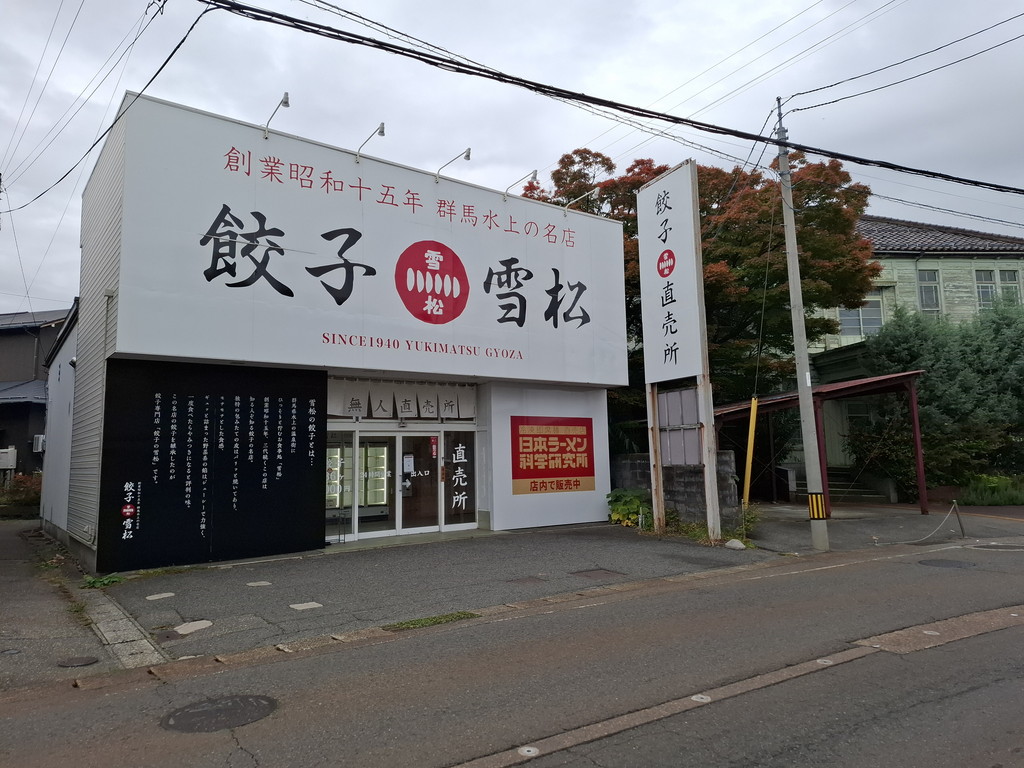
pixel 947 563
pixel 999 547
pixel 219 714
pixel 78 661
pixel 597 573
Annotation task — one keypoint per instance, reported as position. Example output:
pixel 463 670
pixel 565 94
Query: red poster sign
pixel 552 454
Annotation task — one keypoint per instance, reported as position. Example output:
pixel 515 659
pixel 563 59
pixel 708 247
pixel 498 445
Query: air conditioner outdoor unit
pixel 38 443
pixel 8 458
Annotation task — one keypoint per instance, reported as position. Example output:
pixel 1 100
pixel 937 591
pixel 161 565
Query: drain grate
pixel 219 714
pixel 947 563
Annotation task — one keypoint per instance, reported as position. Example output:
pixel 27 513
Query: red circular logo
pixel 128 510
pixel 666 262
pixel 432 282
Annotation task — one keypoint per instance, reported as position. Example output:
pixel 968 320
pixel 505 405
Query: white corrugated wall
pixel 101 251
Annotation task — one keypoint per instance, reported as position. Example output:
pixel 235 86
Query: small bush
pixel 24 490
pixel 630 507
pixel 993 491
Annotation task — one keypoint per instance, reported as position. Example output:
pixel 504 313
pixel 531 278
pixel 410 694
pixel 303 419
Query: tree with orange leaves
pixel 746 289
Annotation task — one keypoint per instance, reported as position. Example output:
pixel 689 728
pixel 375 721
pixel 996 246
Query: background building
pixel 26 338
pixel 937 271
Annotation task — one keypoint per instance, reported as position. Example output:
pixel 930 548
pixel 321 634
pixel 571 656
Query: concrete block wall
pixel 683 485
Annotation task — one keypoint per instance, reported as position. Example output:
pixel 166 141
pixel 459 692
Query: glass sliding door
pixel 340 486
pixel 385 484
pixel 419 483
pixel 376 489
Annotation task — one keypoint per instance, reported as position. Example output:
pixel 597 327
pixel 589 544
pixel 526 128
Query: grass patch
pixel 993 491
pixel 166 571
pixel 698 532
pixel 77 610
pixel 430 621
pixel 53 563
pixel 99 582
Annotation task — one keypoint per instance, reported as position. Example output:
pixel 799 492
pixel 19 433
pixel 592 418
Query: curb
pixel 129 643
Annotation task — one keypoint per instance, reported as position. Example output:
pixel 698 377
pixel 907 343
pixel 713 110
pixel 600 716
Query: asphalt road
pixel 606 680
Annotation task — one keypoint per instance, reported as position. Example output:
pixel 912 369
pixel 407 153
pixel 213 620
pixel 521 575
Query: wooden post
pixel 750 453
pixel 654 440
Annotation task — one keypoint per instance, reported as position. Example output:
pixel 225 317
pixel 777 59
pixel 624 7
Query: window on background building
pixel 1009 285
pixel 928 291
pixel 985 281
pixel 863 321
pixel 858 414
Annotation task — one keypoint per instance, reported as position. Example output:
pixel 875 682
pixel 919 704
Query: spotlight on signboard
pixel 532 176
pixel 592 192
pixel 282 103
pixel 378 132
pixel 463 155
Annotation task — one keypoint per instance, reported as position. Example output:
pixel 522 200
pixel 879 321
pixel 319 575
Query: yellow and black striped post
pixel 816 506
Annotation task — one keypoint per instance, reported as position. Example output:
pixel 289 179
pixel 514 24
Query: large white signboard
pixel 283 251
pixel 671 276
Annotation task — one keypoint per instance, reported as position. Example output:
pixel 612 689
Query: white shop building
pixel 281 343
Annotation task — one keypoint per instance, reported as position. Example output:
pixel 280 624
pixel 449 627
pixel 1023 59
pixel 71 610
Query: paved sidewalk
pixel 43 618
pixel 343 590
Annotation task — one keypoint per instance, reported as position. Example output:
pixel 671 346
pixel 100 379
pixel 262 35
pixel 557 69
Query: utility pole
pixel 812 467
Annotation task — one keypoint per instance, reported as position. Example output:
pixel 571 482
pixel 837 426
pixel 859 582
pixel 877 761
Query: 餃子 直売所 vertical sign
pixel 671 276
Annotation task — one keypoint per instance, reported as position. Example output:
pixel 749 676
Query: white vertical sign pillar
pixel 672 304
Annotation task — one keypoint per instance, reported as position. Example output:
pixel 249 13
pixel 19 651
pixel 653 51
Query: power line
pixel 48 76
pixel 21 263
pixel 646 127
pixel 908 79
pixel 37 298
pixel 907 60
pixel 606 114
pixel 782 65
pixel 29 160
pixel 722 61
pixel 31 85
pixel 81 170
pixel 116 119
pixel 800 55
pixel 457 67
pixel 950 211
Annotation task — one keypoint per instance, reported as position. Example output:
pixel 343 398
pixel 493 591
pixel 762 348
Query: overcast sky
pixel 723 63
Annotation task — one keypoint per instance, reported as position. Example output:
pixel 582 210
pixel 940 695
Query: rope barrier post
pixel 956 508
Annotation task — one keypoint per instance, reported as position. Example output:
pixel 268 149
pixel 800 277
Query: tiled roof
pixel 31 319
pixel 894 235
pixel 22 392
